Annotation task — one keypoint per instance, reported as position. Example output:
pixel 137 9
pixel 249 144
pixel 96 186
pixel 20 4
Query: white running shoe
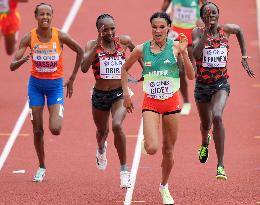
pixel 39 175
pixel 101 159
pixel 186 109
pixel 166 196
pixel 125 180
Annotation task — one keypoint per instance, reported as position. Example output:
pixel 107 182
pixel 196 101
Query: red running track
pixel 72 177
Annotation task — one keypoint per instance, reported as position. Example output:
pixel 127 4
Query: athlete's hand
pixel 69 85
pixel 27 57
pixel 100 35
pixel 246 67
pixel 128 104
pixel 183 43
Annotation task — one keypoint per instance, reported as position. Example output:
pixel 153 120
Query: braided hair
pixel 203 6
pixel 103 16
pixel 37 8
pixel 163 15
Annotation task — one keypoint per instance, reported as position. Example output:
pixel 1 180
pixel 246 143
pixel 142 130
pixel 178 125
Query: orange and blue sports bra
pixel 47 60
pixel 108 65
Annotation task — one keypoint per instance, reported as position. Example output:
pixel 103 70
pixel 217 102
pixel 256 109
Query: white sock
pixel 164 186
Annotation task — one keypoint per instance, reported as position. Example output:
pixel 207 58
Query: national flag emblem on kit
pixel 148 64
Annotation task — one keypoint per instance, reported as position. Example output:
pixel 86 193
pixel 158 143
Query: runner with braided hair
pixel 210 49
pixel 106 55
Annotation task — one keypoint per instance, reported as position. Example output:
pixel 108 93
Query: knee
pixel 55 130
pixel 167 151
pixel 151 149
pixel 38 133
pixel 116 127
pixel 217 120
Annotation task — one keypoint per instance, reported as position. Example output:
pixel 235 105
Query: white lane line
pixel 258 21
pixel 135 165
pixel 8 146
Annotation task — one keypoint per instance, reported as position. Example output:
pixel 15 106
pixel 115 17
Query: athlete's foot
pixel 204 151
pixel 101 159
pixel 221 174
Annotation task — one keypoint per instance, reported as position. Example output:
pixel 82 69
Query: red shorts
pixel 186 32
pixel 10 23
pixel 169 106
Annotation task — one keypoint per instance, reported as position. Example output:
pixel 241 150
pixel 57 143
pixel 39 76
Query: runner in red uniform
pixel 9 23
pixel 107 55
pixel 210 49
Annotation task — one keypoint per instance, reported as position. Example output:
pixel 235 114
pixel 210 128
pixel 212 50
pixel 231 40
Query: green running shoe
pixel 221 174
pixel 203 151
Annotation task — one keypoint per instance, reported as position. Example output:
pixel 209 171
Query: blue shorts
pixel 39 88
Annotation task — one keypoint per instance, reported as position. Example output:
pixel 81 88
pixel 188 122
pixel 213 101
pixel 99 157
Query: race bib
pixel 4 6
pixel 110 67
pixel 184 14
pixel 45 62
pixel 159 89
pixel 216 57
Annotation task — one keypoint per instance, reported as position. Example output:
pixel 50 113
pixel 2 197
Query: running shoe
pixel 125 180
pixel 166 196
pixel 39 175
pixel 221 174
pixel 186 108
pixel 101 159
pixel 204 152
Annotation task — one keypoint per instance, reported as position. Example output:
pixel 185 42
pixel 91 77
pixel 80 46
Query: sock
pixel 123 167
pixel 164 186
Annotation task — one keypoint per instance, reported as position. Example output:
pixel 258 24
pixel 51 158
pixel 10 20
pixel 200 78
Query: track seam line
pixel 11 140
pixel 135 165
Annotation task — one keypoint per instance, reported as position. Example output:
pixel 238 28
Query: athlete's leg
pixel 170 129
pixel 37 122
pixel 55 118
pixel 101 118
pixel 218 104
pixel 205 113
pixel 118 112
pixel 151 121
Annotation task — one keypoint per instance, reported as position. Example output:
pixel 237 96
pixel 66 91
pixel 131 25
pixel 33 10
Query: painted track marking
pixel 8 146
pixel 135 165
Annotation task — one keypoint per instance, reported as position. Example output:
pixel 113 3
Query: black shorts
pixel 103 100
pixel 204 92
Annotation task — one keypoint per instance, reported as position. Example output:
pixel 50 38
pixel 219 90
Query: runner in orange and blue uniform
pixel 46 80
pixel 210 49
pixel 9 23
pixel 107 55
pixel 161 87
pixel 185 17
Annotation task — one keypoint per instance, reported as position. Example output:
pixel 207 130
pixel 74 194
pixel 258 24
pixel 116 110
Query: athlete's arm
pixel 90 51
pixel 198 40
pixel 165 5
pixel 127 41
pixel 73 45
pixel 18 57
pixel 181 48
pixel 235 29
pixel 136 54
